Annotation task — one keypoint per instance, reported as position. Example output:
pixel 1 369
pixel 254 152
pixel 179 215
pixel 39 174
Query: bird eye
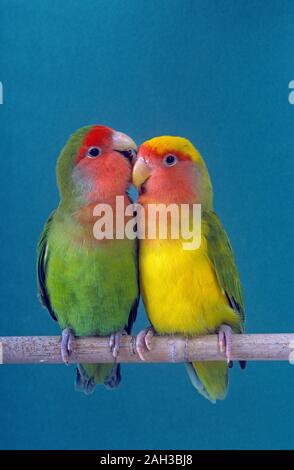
pixel 170 160
pixel 93 152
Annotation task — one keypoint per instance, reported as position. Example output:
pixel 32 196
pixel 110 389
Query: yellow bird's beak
pixel 141 172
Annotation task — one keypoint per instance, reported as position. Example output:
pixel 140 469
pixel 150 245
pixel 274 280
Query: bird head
pixel 95 165
pixel 170 170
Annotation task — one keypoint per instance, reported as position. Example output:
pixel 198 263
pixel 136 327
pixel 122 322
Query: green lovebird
pixel 90 285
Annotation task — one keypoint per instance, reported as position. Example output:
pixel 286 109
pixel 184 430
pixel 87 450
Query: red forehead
pixel 98 135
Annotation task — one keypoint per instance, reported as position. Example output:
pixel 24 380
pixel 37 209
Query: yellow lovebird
pixel 187 291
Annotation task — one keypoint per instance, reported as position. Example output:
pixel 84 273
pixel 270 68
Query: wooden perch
pixel 46 349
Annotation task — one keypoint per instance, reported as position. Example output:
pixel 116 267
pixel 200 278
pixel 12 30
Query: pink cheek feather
pixel 108 175
pixel 176 184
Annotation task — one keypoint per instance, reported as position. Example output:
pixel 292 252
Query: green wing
pixel 43 254
pixel 221 255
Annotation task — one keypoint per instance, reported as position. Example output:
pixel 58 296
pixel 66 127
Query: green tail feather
pixel 90 375
pixel 209 378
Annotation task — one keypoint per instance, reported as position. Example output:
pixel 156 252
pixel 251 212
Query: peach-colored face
pixel 103 165
pixel 167 176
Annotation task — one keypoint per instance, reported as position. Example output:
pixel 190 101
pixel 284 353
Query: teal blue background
pixel 214 71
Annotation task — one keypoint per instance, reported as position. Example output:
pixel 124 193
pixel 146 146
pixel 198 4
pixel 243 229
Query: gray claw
pixel 143 341
pixel 225 341
pixel 114 342
pixel 67 339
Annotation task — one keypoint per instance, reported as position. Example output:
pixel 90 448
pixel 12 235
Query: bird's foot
pixel 67 339
pixel 225 341
pixel 114 342
pixel 143 341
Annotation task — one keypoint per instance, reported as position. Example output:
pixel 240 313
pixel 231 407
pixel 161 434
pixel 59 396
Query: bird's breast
pixel 179 287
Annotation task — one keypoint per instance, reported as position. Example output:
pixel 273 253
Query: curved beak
pixel 122 142
pixel 141 172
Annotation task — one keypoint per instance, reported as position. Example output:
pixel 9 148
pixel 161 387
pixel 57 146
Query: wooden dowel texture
pixel 46 349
